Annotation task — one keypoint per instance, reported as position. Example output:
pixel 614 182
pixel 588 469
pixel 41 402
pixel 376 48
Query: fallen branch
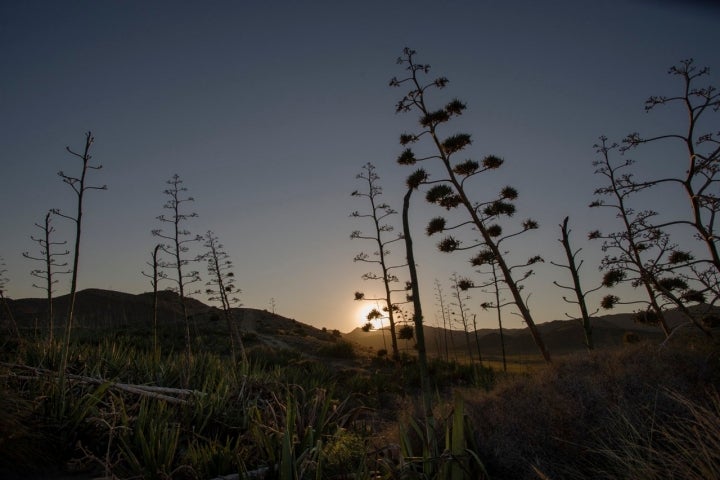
pixel 167 394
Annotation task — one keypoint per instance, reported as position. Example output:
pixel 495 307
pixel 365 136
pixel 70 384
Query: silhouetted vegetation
pixel 12 325
pixel 121 397
pixel 222 289
pixel 50 264
pixel 80 186
pixel 378 213
pixel 573 266
pixel 154 280
pixel 450 190
pixel 651 249
pixel 177 247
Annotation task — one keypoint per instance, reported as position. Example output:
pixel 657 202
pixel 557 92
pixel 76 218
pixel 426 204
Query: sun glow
pixel 362 313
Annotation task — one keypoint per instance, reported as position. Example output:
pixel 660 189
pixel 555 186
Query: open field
pixel 310 403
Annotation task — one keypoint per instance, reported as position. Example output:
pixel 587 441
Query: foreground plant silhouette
pixel 444 313
pixel 412 183
pixel 462 311
pixel 8 312
pixel 494 287
pixel 698 179
pixel 49 258
pixel 80 187
pixel 652 248
pixel 222 289
pixel 155 277
pixel 573 266
pixel 378 213
pixel 177 247
pixel 450 192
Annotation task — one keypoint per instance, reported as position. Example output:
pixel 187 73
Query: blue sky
pixel 268 110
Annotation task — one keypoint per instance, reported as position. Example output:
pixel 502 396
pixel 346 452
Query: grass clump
pixel 657 446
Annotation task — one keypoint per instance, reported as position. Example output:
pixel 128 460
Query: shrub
pixel 20 436
pixel 344 452
pixel 269 356
pixel 630 338
pixel 340 349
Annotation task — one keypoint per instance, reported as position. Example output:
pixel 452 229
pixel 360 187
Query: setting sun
pixel 363 309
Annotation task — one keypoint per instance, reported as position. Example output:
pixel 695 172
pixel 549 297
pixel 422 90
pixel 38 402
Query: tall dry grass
pixel 604 415
pixel 682 447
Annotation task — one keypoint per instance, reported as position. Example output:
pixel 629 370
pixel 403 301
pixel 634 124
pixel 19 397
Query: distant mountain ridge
pixel 560 336
pixel 107 308
pixel 96 308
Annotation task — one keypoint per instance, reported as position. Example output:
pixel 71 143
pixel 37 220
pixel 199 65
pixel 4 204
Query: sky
pixel 267 110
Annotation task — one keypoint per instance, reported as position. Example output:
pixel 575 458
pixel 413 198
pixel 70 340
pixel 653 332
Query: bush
pixel 630 338
pixel 340 349
pixel 344 452
pixel 269 356
pixel 21 436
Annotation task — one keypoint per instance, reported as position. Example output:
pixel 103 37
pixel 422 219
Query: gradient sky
pixel 267 110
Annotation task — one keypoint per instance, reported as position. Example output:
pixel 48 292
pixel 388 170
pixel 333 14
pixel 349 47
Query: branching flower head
pixel 465 284
pixel 672 283
pixel 679 256
pixel 435 225
pixel 492 162
pixel 406 138
pixel 455 107
pixel 494 230
pixel 613 277
pixel 438 192
pixel 535 259
pixel 466 168
pixel 530 224
pixel 416 179
pixel 609 301
pixel 456 143
pixel 443 195
pixel 407 157
pixel 508 193
pixel 485 257
pixel 498 208
pixel 448 244
pixel 433 118
pixel 693 296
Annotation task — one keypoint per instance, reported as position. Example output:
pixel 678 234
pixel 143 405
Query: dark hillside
pixel 95 308
pixel 560 336
pixel 101 310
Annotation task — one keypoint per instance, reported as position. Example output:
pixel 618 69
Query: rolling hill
pixel 100 309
